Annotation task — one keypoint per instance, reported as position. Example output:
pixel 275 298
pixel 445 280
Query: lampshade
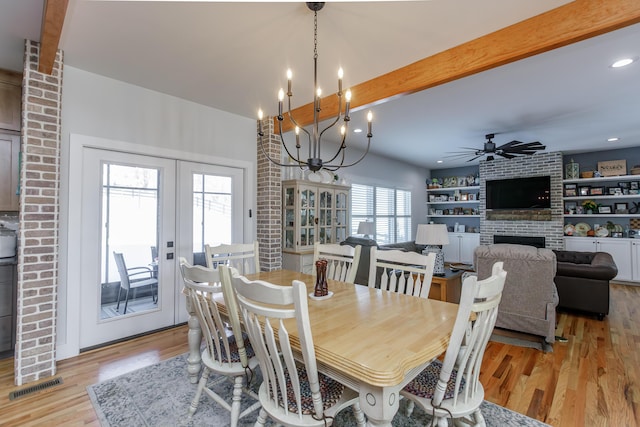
pixel 432 234
pixel 365 227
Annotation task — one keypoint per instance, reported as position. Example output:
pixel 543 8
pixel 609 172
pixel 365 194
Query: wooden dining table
pixel 372 341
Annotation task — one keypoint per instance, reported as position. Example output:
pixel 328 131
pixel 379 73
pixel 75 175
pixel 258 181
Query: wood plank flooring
pixel 592 380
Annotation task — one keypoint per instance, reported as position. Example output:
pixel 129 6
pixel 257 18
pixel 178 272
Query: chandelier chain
pixel 315 35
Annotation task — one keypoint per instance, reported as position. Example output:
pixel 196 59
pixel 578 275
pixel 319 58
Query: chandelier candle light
pixel 314 138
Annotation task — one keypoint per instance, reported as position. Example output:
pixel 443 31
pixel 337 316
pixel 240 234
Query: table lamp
pixel 434 236
pixel 366 228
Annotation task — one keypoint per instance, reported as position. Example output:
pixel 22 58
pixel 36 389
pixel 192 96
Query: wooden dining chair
pixel 408 273
pixel 452 388
pixel 291 389
pixel 342 260
pixel 227 352
pixel 245 257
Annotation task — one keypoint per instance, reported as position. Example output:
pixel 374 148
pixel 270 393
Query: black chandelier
pixel 314 138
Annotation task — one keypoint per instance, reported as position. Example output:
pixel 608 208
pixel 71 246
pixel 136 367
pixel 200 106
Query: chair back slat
pixel 244 257
pixel 408 273
pixel 342 260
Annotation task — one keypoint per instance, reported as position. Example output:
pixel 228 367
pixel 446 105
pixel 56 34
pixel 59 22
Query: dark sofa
pixel 582 280
pixel 362 275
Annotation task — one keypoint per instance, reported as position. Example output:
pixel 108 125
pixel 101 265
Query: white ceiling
pixel 233 56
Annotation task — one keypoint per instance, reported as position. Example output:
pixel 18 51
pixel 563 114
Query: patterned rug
pixel 159 395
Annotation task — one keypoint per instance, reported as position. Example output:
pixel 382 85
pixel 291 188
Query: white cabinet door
pixel 620 250
pixel 461 247
pixel 452 250
pixel 580 244
pixel 468 244
pixel 635 260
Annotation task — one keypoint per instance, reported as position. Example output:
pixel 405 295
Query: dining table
pixel 373 341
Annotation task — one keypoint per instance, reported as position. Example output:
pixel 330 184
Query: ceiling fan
pixel 508 151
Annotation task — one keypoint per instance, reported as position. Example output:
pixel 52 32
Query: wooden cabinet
pixel 311 212
pixel 9 155
pixel 620 250
pixel 10 100
pixel 461 247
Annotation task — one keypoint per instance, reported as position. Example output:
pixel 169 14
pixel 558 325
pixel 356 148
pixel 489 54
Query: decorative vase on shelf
pixel 572 170
pixel 589 212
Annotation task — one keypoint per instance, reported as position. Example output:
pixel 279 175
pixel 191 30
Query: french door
pixel 128 208
pixel 147 212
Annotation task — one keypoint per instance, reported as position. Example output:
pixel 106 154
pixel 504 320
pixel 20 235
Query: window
pixel 389 208
pixel 212 210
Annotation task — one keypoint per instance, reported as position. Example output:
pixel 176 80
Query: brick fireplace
pixel 548 226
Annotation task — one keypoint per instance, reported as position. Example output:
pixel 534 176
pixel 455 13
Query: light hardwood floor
pixel 592 380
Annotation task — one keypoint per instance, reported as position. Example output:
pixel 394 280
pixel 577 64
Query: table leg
pixel 194 338
pixel 379 404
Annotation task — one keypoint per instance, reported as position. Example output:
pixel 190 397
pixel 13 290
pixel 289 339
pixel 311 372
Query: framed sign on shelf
pixel 604 209
pixel 570 190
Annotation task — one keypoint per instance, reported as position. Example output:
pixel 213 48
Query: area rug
pixel 159 395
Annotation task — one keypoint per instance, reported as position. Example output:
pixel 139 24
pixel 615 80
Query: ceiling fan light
pixel 614 139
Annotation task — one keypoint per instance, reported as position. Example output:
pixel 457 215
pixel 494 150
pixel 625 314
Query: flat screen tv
pixel 519 193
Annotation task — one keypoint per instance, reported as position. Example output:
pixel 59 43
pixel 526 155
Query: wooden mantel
pixel 567 24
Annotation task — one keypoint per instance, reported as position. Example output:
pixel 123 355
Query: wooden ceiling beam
pixel 52 21
pixel 567 24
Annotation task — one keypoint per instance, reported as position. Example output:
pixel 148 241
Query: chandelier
pixel 314 138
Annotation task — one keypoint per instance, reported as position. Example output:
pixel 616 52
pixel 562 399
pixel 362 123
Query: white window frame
pixel 369 196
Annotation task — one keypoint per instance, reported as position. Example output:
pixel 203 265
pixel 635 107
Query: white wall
pixel 135 119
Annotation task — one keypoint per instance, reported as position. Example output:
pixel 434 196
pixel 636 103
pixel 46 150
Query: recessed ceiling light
pixel 622 62
pixel 357 130
pixel 614 139
pixel 439 161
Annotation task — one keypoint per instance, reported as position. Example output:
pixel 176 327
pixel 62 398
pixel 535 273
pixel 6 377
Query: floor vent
pixel 34 388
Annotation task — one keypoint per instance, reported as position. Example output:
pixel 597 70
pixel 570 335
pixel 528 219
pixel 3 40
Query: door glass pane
pixel 212 211
pixel 130 197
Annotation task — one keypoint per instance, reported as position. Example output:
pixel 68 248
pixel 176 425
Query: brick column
pixel 269 208
pixel 39 219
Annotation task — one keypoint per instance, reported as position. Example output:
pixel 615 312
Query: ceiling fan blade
pixel 509 145
pixel 513 145
pixel 472 159
pixel 506 155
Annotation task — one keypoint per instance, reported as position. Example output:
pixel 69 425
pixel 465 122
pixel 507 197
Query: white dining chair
pixel 342 260
pixel 452 388
pixel 245 257
pixel 291 389
pixel 227 351
pixel 408 273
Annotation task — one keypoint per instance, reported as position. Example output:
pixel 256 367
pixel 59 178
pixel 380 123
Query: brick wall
pixel 269 207
pixel 39 219
pixel 551 227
